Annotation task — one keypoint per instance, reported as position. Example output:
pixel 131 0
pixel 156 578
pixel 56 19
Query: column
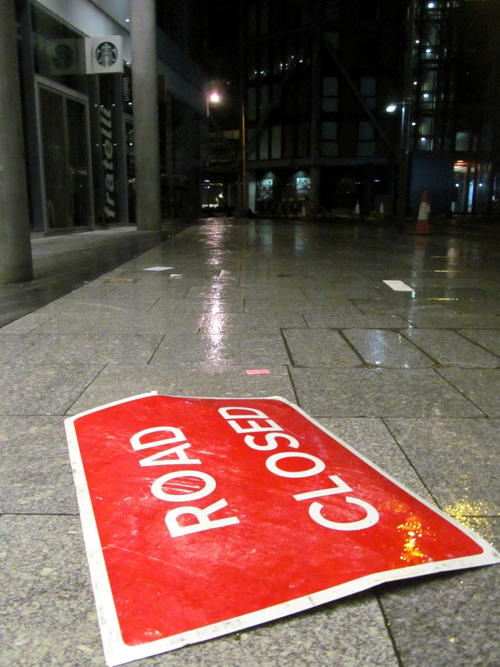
pixel 145 97
pixel 15 246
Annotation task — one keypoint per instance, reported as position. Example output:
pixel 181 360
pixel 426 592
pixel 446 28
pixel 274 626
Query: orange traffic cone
pixel 422 226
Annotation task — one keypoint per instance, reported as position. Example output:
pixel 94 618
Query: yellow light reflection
pixel 475 515
pixel 411 530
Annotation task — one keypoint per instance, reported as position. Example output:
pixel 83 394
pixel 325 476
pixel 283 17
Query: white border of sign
pixel 116 652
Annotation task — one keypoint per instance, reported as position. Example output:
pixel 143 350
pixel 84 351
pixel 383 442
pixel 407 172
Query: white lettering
pixel 157 459
pixel 271 464
pixel 202 518
pixel 271 440
pixel 254 426
pixel 340 488
pixel 108 149
pixel 110 182
pixel 158 492
pixel 177 436
pixel 370 519
pixel 249 412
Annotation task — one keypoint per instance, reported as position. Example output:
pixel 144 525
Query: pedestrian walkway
pixel 64 262
pixel 406 372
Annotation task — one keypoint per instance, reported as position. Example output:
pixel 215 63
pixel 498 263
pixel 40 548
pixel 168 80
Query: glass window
pixel 251 144
pixel 368 86
pixel 330 100
pixel 462 141
pixel 276 141
pixel 289 140
pixel 366 148
pixel 264 144
pixel 330 86
pixel 302 139
pixel 329 148
pixel 330 104
pixel 252 104
pixel 368 90
pixel 264 99
pixel 329 130
pixel 366 131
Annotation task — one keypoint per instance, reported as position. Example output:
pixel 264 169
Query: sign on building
pixel 104 55
pixel 203 516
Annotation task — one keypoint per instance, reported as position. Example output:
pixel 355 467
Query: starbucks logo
pixel 106 54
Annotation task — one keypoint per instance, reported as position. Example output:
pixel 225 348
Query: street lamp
pixel 404 152
pixel 212 98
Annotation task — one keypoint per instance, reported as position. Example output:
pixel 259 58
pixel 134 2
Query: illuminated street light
pixel 391 108
pixel 212 98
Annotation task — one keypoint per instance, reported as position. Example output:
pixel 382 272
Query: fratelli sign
pixel 203 516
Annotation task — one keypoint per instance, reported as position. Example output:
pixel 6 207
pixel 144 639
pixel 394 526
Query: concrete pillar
pixel 15 246
pixel 145 96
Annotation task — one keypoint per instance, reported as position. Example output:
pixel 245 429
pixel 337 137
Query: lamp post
pixel 404 153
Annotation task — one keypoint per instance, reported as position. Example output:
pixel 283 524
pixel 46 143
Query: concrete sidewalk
pixel 409 379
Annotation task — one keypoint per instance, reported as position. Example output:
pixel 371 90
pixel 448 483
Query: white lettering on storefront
pixel 108 162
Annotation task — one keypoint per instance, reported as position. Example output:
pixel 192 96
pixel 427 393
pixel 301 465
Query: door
pixel 65 158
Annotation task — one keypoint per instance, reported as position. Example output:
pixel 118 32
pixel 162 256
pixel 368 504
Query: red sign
pixel 203 516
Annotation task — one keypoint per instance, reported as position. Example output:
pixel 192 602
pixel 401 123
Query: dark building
pixel 312 82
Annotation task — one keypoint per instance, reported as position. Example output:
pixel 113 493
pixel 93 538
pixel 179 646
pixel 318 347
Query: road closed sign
pixel 203 516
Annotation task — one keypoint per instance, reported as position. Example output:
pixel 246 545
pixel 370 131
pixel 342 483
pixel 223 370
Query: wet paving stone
pixel 319 348
pixel 360 392
pixel 386 349
pixel 450 349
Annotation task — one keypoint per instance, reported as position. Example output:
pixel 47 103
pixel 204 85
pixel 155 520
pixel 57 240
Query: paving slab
pixel 241 323
pixel 448 348
pixel 488 339
pixel 319 348
pixel 214 347
pixel 360 392
pixel 35 475
pixel 332 320
pixel 117 382
pixel 370 437
pixel 93 348
pixel 456 459
pixel 48 612
pixel 480 386
pixel 386 349
pixel 43 389
pixel 120 322
pixel 451 619
pixel 452 320
pixel 13 345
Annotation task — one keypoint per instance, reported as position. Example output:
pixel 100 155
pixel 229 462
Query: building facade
pixel 75 71
pixel 346 103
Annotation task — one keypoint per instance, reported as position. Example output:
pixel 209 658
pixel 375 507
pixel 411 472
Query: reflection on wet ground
pixel 63 263
pixel 248 308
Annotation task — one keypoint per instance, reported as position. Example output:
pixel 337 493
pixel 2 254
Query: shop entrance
pixel 65 157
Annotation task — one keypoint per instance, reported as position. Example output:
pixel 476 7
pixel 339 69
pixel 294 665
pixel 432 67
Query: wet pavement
pixel 409 378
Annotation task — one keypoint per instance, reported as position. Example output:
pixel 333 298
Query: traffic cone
pixel 422 226
pixel 356 211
